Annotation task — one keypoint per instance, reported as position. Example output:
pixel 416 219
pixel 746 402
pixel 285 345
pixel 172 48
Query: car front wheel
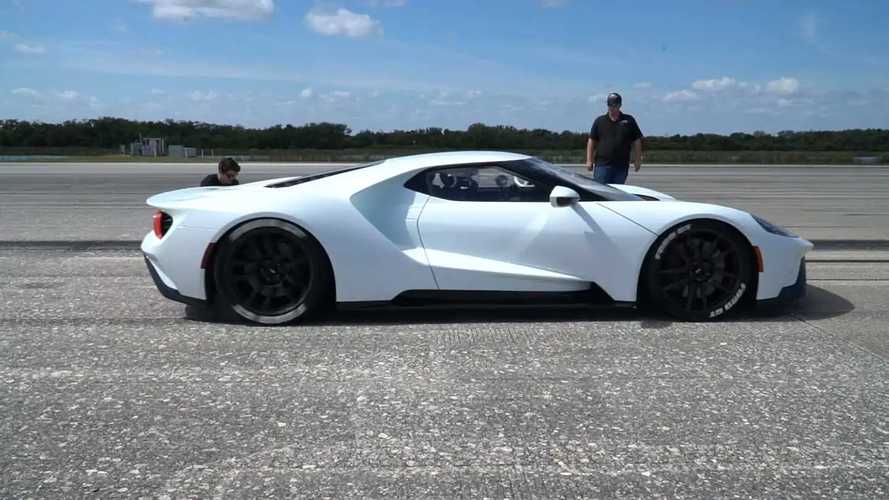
pixel 699 270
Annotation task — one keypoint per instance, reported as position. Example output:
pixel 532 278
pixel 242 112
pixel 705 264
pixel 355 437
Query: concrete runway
pixel 110 390
pixel 71 201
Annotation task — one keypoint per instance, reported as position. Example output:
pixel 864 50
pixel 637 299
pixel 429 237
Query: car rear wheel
pixel 271 272
pixel 699 270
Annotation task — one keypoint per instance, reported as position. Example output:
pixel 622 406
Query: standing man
pixel 227 174
pixel 611 138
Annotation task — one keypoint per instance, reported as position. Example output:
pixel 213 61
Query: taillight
pixel 162 223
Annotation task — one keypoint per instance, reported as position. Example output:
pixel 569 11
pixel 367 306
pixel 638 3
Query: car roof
pixel 414 162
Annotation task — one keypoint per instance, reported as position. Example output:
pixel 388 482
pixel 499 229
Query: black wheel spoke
pixel 294 286
pixel 252 251
pixel 285 250
pixel 683 252
pixel 711 250
pixel 675 285
pixel 240 262
pixel 692 289
pixel 695 248
pixel 674 270
pixel 268 247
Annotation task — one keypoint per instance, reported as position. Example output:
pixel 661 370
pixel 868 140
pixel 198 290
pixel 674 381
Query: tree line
pixel 110 133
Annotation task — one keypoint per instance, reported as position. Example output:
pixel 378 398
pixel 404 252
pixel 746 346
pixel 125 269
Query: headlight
pixel 774 229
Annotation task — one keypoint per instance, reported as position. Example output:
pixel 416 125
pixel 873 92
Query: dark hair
pixel 614 98
pixel 228 164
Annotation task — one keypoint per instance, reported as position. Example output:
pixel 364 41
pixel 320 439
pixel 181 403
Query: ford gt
pixel 462 227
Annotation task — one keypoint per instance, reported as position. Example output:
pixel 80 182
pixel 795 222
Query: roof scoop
pixel 644 193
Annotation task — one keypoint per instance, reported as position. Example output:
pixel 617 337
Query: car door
pixel 487 228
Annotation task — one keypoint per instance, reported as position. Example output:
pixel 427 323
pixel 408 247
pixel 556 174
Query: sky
pixel 682 67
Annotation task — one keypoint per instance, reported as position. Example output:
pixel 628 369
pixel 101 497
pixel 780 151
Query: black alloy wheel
pixel 699 270
pixel 271 272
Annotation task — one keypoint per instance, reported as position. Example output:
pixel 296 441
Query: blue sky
pixel 682 67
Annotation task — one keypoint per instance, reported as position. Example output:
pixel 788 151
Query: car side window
pixel 478 183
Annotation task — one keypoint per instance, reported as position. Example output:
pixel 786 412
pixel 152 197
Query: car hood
pixel 659 217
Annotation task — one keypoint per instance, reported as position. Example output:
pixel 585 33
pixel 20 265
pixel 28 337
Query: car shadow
pixel 818 304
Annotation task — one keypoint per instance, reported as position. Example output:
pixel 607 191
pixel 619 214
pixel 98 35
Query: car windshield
pixel 581 180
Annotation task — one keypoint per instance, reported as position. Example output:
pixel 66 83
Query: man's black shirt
pixel 213 180
pixel 614 139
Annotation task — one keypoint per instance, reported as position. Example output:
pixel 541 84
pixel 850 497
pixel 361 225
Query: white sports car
pixel 462 227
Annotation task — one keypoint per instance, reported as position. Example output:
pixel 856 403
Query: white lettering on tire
pixel 670 237
pixel 731 303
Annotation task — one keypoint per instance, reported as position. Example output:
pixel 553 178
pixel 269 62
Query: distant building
pixel 867 160
pixel 180 151
pixel 148 146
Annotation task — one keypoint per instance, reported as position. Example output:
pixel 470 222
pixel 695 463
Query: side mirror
pixel 562 196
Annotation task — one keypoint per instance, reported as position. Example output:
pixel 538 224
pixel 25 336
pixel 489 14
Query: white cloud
pixel 24 91
pixel 68 95
pixel 808 25
pixel 783 86
pixel 147 52
pixel 553 3
pixel 385 3
pixel 681 96
pixel 307 93
pixel 597 98
pixel 754 88
pixel 203 97
pixel 182 10
pixel 30 49
pixel 343 22
pixel 714 85
pixel 447 102
pixel 119 26
pixel 6 34
pixel 335 96
pixel 157 92
pixel 642 85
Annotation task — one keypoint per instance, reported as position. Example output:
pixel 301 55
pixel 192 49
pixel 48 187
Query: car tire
pixel 699 271
pixel 271 272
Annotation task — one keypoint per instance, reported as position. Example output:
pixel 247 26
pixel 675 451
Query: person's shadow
pixel 818 304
